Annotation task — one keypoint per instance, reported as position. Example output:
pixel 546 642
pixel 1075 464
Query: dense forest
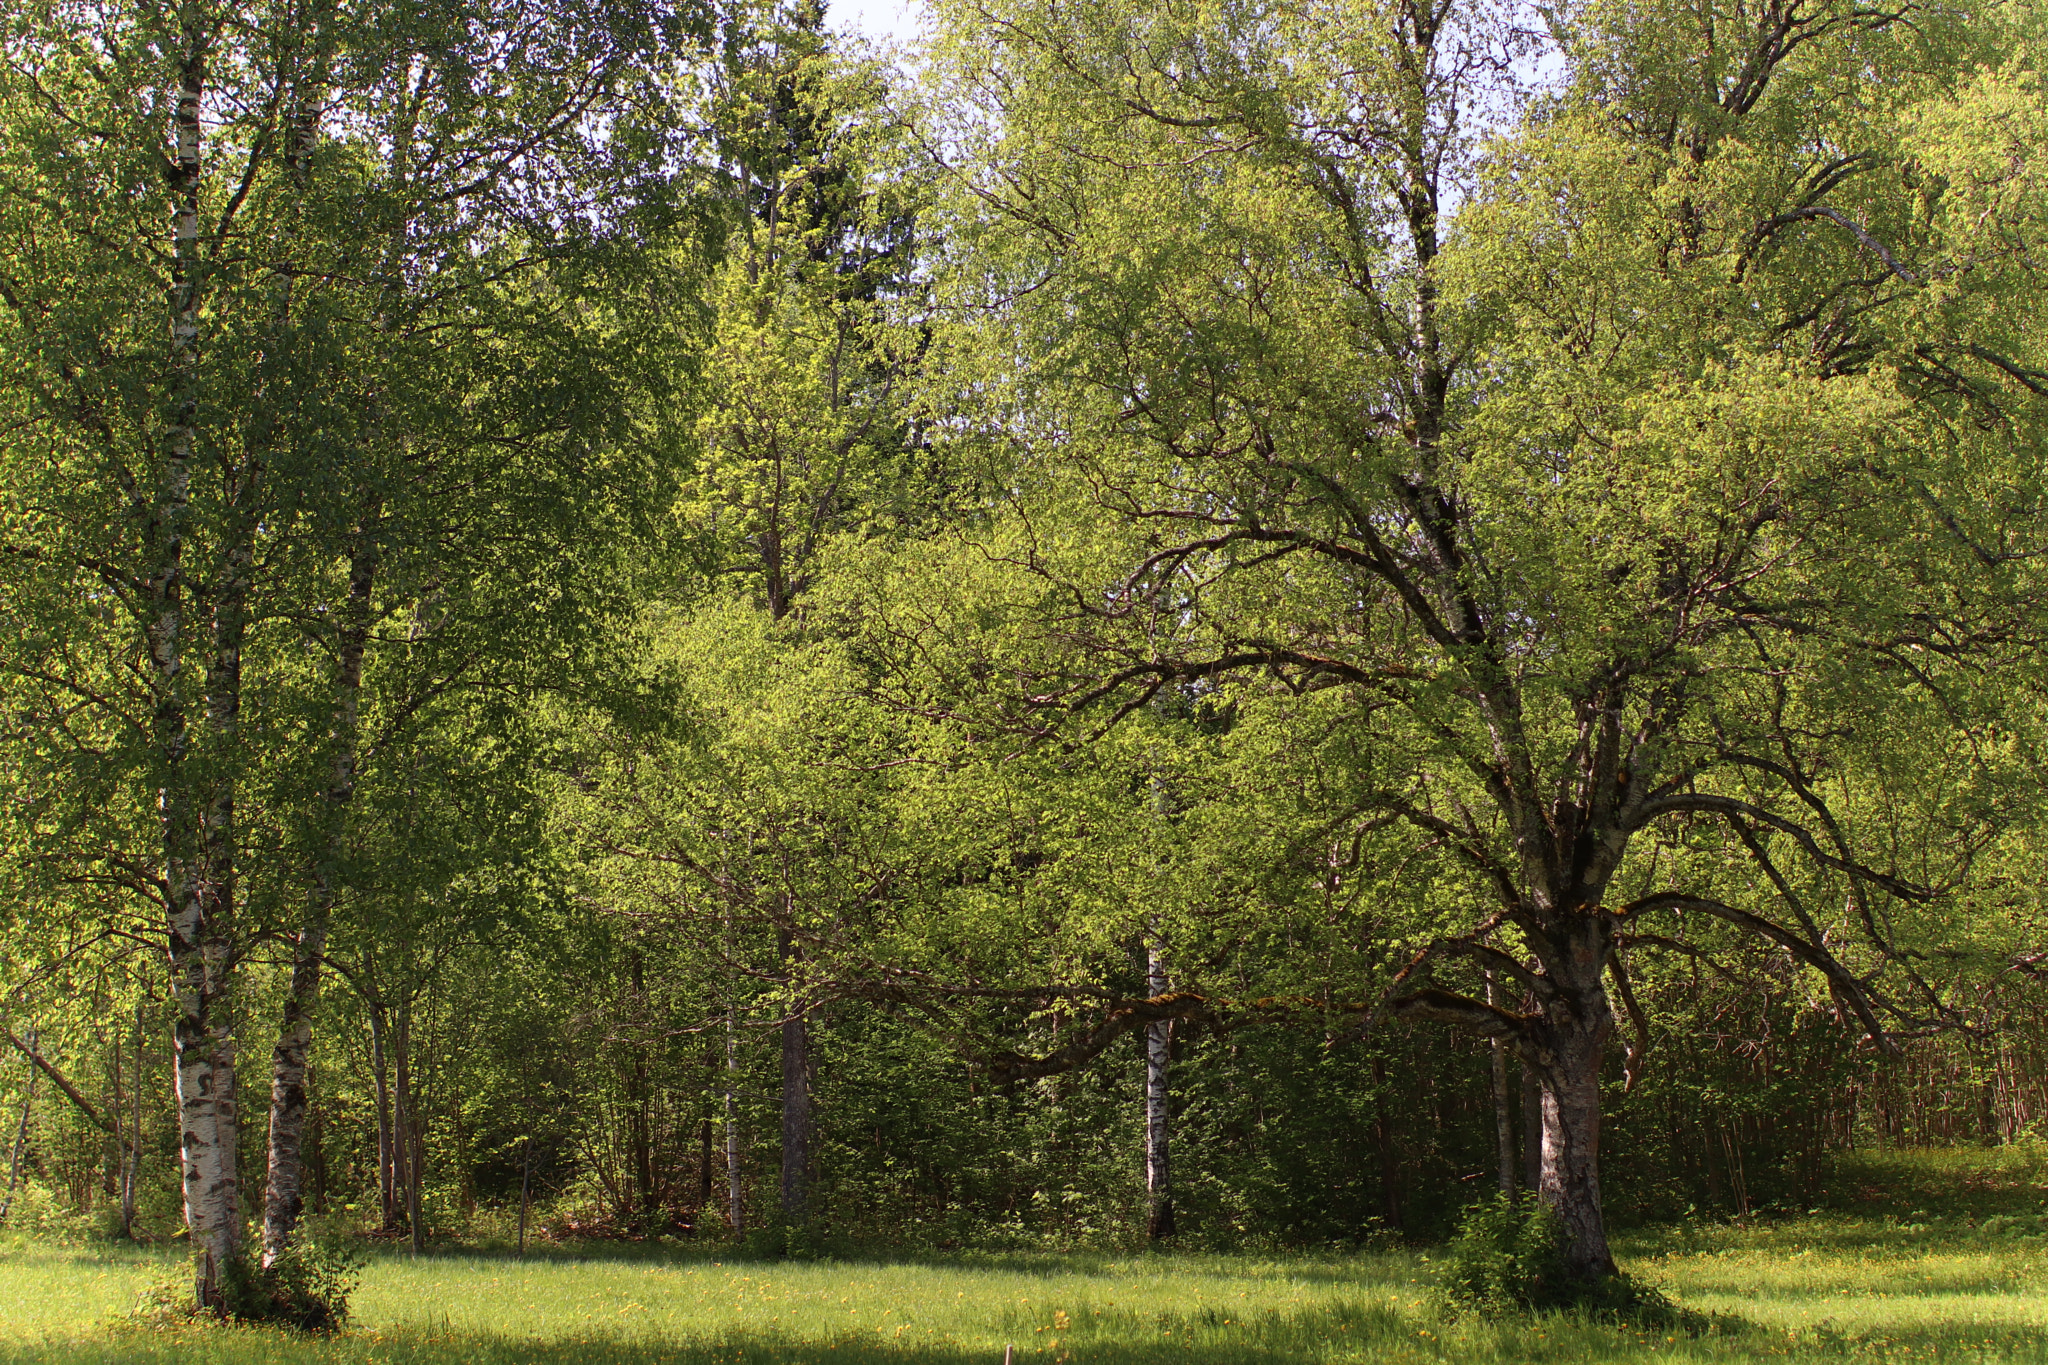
pixel 1230 620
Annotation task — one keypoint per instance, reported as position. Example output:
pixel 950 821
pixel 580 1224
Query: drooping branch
pixel 1124 1016
pixel 1637 1048
pixel 1217 1013
pixel 1730 807
pixel 42 1064
pixel 1846 985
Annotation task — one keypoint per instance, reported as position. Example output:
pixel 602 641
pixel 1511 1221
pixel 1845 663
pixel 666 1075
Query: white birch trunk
pixel 1158 1107
pixel 387 1157
pixel 196 884
pixel 735 1208
pixel 796 1100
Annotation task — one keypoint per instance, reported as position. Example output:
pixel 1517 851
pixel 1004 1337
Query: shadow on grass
pixel 1857 1238
pixel 1363 1268
pixel 244 1346
pixel 1351 1333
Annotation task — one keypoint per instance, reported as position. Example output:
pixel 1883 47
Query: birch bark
pixel 387 1146
pixel 1158 1107
pixel 196 840
pixel 735 1210
pixel 796 1098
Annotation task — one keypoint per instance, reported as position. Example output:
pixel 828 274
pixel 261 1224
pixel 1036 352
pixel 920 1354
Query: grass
pixel 1945 1260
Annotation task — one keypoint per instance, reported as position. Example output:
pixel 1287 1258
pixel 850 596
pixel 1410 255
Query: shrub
pixel 1508 1256
pixel 308 1289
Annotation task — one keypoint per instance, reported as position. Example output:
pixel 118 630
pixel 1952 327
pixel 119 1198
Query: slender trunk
pixel 407 1124
pixel 387 1148
pixel 1383 1139
pixel 796 1098
pixel 735 1212
pixel 198 887
pixel 133 1183
pixel 703 1174
pixel 1158 1107
pixel 283 1191
pixel 640 1110
pixel 1503 1116
pixel 28 1100
pixel 283 1199
pixel 525 1189
pixel 124 1139
pixel 1532 1129
pixel 796 1119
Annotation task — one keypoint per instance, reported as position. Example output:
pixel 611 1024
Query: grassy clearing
pixel 1883 1283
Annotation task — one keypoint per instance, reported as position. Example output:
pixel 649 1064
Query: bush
pixel 1508 1256
pixel 307 1289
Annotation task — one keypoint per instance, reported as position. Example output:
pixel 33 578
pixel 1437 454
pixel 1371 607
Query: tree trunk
pixel 283 1196
pixel 1532 1129
pixel 28 1100
pixel 283 1190
pixel 133 1183
pixel 1383 1140
pixel 407 1125
pixel 525 1189
pixel 735 1210
pixel 1159 1222
pixel 796 1118
pixel 195 900
pixel 387 1146
pixel 703 1174
pixel 1503 1116
pixel 796 1099
pixel 1570 1043
pixel 640 1137
pixel 126 1141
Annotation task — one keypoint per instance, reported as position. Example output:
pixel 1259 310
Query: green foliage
pixel 307 1290
pixel 1509 1254
pixel 308 1287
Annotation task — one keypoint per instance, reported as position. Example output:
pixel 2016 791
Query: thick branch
pixel 1443 1007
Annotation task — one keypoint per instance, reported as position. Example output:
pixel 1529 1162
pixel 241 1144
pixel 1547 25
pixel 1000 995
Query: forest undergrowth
pixel 1922 1257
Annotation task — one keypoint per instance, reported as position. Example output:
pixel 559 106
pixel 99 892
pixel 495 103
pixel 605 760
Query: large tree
pixel 1650 480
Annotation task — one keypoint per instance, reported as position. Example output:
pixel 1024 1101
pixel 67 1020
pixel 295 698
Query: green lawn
pixel 1895 1286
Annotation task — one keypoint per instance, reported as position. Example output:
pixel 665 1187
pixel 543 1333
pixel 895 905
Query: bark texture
pixel 1571 1155
pixel 1159 1221
pixel 195 814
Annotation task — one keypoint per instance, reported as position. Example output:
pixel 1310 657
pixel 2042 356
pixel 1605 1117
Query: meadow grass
pixel 1892 1281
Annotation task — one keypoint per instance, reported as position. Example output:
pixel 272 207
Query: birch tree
pixel 322 199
